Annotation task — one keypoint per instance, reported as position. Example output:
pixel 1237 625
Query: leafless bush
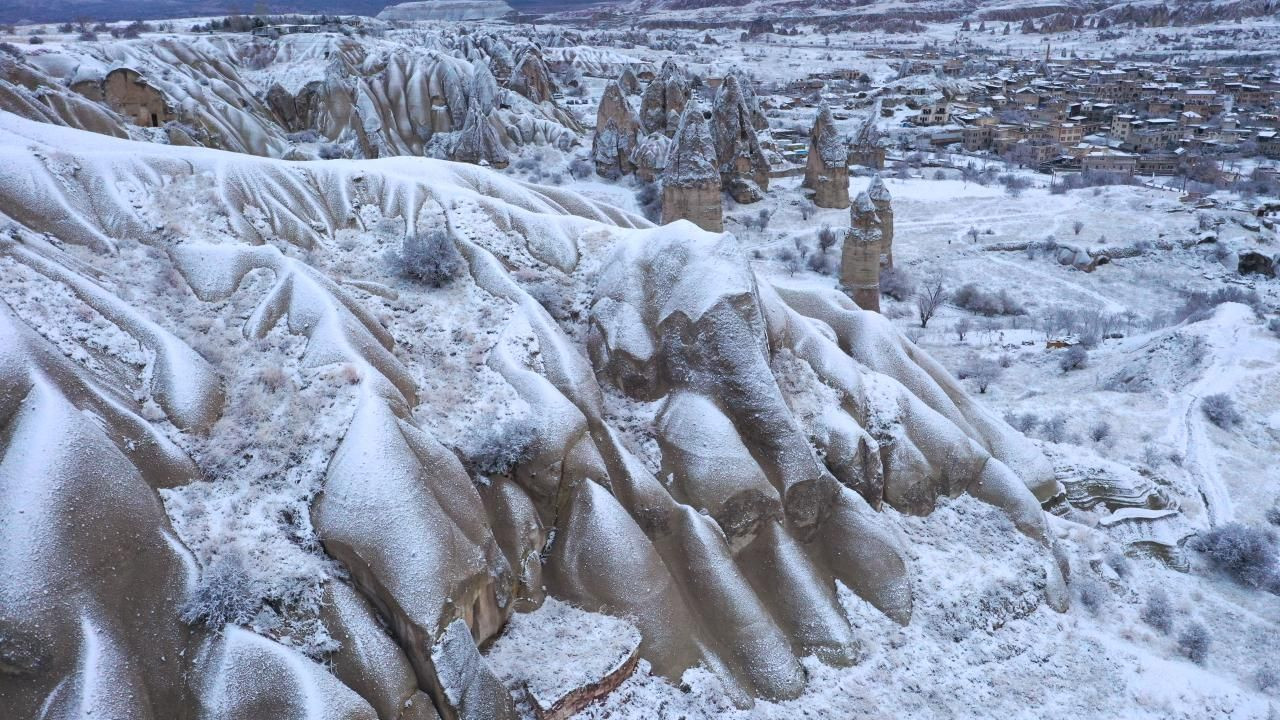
pixel 431 257
pixel 1221 411
pixel 896 283
pixel 930 297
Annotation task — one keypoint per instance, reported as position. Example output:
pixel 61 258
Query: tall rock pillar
pixel 690 181
pixel 880 197
pixel 860 258
pixel 827 171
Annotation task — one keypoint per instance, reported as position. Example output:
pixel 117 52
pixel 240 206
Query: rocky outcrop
pixel 481 140
pixel 664 100
pixel 629 82
pixel 650 156
pixel 827 169
pixel 532 78
pixel 883 202
pixel 691 179
pixel 452 10
pixel 744 171
pixel 860 258
pixel 614 142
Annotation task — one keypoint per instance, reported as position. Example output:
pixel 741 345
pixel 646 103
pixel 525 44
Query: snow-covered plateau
pixel 347 372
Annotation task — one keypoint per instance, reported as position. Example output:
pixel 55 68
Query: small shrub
pixel 983 372
pixel 581 168
pixel 504 446
pixel 331 151
pixel 1054 429
pixel 1221 411
pixel 1023 423
pixel 1074 358
pixel 974 299
pixel 1119 563
pixel 222 597
pixel 431 258
pixel 897 284
pixel 1273 515
pixel 1093 594
pixel 1274 326
pixel 827 239
pixel 1246 554
pixel 1158 611
pixel 1100 431
pixel 1267 678
pixel 1194 643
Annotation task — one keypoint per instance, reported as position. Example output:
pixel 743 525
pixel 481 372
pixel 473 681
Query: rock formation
pixel 865 149
pixel 880 197
pixel 480 140
pixel 744 171
pixel 827 170
pixel 663 102
pixel 691 180
pixel 721 536
pixel 860 259
pixel 615 137
pixel 452 10
pixel 629 82
pixel 650 156
pixel 532 78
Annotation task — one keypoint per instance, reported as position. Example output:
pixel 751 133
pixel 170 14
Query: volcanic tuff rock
pixel 883 202
pixel 690 180
pixel 614 142
pixel 663 102
pixel 827 168
pixel 744 171
pixel 134 468
pixel 445 10
pixel 860 258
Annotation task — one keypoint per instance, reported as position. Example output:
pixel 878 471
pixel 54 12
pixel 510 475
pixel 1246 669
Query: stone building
pixel 860 258
pixel 129 94
pixel 880 197
pixel 691 180
pixel 615 136
pixel 744 171
pixel 827 169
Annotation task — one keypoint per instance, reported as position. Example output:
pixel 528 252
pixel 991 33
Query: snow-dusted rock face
pixel 664 99
pixel 427 10
pixel 744 171
pixel 689 444
pixel 827 168
pixel 532 78
pixel 883 202
pixel 860 257
pixel 614 143
pixel 691 178
pixel 298 95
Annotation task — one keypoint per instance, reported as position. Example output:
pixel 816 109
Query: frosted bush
pixel 431 258
pixel 896 284
pixel 1075 358
pixel 975 299
pixel 1200 305
pixel 224 596
pixel 1100 431
pixel 1246 554
pixel 1093 594
pixel 1054 429
pixel 1194 643
pixel 1024 422
pixel 1158 612
pixel 504 446
pixel 1221 411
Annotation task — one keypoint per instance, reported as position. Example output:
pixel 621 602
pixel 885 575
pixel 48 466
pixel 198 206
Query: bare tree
pixel 1077 226
pixel 826 238
pixel 962 327
pixel 931 296
pixel 983 373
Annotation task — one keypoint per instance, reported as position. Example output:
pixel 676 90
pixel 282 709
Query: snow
pixel 558 648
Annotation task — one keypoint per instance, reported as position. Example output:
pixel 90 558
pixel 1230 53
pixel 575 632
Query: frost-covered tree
pixel 1158 611
pixel 1221 411
pixel 1194 643
pixel 929 299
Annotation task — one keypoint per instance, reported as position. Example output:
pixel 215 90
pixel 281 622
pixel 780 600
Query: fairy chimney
pixel 860 258
pixel 650 156
pixel 880 197
pixel 662 105
pixel 744 171
pixel 615 136
pixel 690 180
pixel 532 78
pixel 629 82
pixel 827 172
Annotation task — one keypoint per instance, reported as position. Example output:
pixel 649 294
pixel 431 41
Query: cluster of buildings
pixel 1138 118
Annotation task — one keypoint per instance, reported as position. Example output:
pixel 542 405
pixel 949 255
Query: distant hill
pixel 43 11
